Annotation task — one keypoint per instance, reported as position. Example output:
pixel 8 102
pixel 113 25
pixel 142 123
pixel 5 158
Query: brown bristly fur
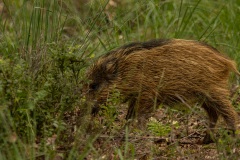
pixel 166 72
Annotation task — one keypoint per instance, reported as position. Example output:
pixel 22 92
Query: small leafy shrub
pixel 158 128
pixel 36 105
pixel 110 111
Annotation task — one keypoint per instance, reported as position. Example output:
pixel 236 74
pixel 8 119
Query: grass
pixel 45 48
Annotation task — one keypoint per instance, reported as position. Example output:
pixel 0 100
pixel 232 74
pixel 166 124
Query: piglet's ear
pixel 111 68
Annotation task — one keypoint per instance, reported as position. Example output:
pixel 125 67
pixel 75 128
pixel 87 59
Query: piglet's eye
pixel 94 86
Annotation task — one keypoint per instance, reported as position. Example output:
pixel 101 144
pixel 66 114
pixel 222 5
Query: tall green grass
pixel 45 47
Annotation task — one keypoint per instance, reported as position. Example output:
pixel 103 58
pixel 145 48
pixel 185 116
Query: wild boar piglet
pixel 167 72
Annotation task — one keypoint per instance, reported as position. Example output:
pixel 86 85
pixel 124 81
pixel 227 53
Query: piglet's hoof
pixel 207 139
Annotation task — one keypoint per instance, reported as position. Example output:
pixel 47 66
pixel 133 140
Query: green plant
pixel 160 129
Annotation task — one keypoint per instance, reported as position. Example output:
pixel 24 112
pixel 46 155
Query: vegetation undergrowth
pixel 45 48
